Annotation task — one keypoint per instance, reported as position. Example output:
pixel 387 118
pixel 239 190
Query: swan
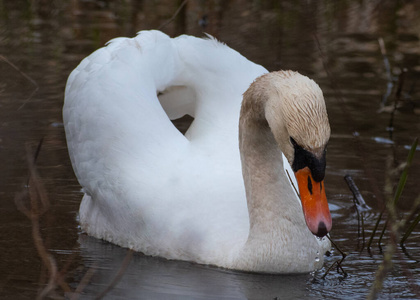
pixel 218 195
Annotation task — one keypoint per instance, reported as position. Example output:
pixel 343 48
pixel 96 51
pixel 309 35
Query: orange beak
pixel 314 203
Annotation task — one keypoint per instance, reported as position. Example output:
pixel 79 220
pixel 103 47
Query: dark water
pixel 334 42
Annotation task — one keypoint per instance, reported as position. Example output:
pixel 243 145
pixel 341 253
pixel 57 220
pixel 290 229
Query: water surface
pixel 334 42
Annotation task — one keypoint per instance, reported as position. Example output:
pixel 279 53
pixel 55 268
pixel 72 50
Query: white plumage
pixel 152 189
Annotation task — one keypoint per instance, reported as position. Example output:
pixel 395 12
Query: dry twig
pixel 174 15
pixel 3 58
pixel 36 195
pixel 117 277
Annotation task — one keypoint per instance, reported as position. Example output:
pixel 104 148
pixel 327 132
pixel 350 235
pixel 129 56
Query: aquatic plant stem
pixel 410 229
pixel 338 262
pixel 363 231
pixel 397 99
pixel 393 225
pixel 414 210
pixel 382 234
pixel 400 187
pixel 404 175
pixel 374 230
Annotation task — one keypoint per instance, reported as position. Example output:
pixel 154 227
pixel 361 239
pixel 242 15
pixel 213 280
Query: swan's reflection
pixel 154 278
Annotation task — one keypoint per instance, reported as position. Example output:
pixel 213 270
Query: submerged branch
pixel 356 193
pixel 338 262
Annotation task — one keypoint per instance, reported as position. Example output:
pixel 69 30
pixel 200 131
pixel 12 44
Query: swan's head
pixel 297 116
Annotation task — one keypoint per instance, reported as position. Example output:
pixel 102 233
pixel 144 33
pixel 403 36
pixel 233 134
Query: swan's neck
pixel 269 194
pixel 278 234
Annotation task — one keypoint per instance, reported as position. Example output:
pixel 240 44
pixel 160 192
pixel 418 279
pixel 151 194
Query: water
pixel 334 42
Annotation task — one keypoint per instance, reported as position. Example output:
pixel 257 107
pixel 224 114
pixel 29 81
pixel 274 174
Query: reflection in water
pixel 46 39
pixel 163 279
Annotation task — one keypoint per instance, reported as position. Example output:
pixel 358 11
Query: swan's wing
pixel 218 75
pixel 111 112
pixel 139 172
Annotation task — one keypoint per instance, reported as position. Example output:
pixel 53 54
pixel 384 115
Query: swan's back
pixel 147 186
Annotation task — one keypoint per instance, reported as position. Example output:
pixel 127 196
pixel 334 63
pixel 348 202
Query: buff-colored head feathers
pixel 294 107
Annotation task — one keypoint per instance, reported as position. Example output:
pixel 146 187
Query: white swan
pixel 152 189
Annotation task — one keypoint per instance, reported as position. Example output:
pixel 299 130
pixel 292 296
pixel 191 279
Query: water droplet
pixel 317 256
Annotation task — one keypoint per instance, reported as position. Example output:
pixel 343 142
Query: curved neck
pixel 269 194
pixel 277 226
